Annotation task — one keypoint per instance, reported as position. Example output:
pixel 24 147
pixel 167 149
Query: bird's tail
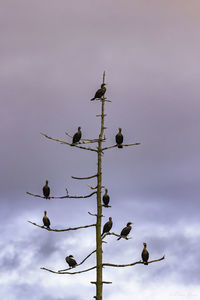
pixel 119 238
pixel 120 146
pixel 146 263
pixel 92 99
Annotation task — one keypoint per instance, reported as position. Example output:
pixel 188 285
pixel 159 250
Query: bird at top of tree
pixel 100 93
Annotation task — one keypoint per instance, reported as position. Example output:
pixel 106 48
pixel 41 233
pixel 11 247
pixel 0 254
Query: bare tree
pixel 82 144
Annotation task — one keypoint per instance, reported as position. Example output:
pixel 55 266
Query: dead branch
pixel 66 143
pixel 106 282
pixel 61 230
pixel 62 197
pixel 80 262
pixel 82 178
pixel 70 273
pixel 132 264
pixel 118 235
pixel 124 145
pixel 85 140
pixel 94 215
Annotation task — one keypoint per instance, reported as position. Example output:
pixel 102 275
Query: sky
pixel 52 57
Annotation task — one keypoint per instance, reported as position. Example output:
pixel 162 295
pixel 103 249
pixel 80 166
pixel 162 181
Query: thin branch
pixel 80 262
pixel 81 178
pixel 132 264
pixel 106 205
pixel 85 140
pixel 61 230
pixel 92 187
pixel 71 273
pixel 62 197
pixel 118 235
pixel 106 282
pixel 124 145
pixel 66 143
pixel 94 215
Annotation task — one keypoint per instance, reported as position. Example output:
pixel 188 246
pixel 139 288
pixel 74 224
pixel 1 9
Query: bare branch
pixel 92 187
pixel 66 143
pixel 124 145
pixel 132 264
pixel 61 230
pixel 106 205
pixel 118 235
pixel 106 282
pixel 70 273
pixel 94 215
pixel 80 262
pixel 82 178
pixel 62 197
pixel 85 141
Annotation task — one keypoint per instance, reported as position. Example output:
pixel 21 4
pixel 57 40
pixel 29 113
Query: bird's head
pixel 79 128
pixel 129 223
pixel 45 212
pixel 71 256
pixel 145 245
pixel 110 218
pixel 106 191
pixel 103 84
pixel 47 182
pixel 120 130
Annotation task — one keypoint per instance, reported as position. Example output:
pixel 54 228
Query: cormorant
pixel 77 136
pixel 71 261
pixel 145 254
pixel 106 198
pixel 119 138
pixel 100 93
pixel 107 226
pixel 46 190
pixel 46 220
pixel 125 231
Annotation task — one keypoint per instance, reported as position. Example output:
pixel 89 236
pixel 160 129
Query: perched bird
pixel 46 190
pixel 77 136
pixel 125 231
pixel 100 93
pixel 145 254
pixel 46 220
pixel 119 138
pixel 106 198
pixel 71 261
pixel 107 226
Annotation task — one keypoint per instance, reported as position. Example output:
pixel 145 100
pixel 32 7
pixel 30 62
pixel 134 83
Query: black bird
pixel 100 93
pixel 119 138
pixel 125 231
pixel 46 220
pixel 46 190
pixel 71 261
pixel 77 136
pixel 106 198
pixel 145 254
pixel 107 226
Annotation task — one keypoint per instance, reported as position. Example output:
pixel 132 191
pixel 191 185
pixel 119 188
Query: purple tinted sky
pixel 53 54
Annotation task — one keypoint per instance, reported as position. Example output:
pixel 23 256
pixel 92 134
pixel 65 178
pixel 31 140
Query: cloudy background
pixel 52 56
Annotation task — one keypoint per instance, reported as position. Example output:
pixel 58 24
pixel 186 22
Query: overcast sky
pixel 52 57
